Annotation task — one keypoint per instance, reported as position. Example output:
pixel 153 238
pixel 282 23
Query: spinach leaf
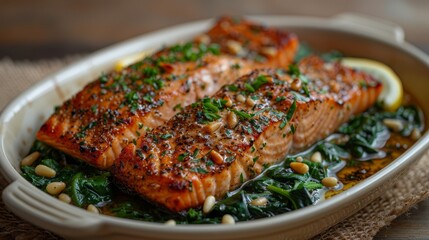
pixel 86 190
pixel 364 131
pixel 332 152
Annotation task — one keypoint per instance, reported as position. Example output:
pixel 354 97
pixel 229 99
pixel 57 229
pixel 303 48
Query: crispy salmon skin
pixel 215 144
pixel 114 110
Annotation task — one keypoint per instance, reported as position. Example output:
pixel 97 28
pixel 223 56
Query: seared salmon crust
pixel 215 144
pixel 114 110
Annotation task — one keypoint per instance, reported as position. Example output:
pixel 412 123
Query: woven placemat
pixel 410 189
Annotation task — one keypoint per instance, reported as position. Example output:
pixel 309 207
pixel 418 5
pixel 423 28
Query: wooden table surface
pixel 46 29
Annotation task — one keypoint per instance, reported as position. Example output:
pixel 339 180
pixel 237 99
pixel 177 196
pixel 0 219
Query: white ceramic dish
pixel 353 35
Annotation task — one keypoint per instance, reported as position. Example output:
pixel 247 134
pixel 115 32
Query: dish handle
pixel 371 25
pixel 60 217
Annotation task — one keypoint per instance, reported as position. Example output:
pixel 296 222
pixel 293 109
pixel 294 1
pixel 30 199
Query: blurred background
pixel 57 28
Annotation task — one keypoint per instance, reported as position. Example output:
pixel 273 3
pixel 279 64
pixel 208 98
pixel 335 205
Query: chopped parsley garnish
pixel 232 88
pixel 289 114
pixel 256 84
pixel 292 129
pixel 94 108
pixel 148 98
pixel 198 170
pixel 210 110
pixel 166 136
pixel 280 98
pixel 104 78
pixel 82 132
pixel 242 114
pixel 195 154
pixel 178 107
pixel 182 157
pixel 154 82
pixel 235 66
pixel 139 153
pixel 189 52
pixel 229 159
pixel 295 73
pixel 150 71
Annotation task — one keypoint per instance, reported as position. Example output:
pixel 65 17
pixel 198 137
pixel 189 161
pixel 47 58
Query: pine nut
pixel 45 171
pixel 234 46
pixel 335 87
pixel 30 159
pixel 298 167
pixel 228 102
pixel 316 157
pixel 241 98
pixel 259 202
pixel 415 134
pixel 232 120
pixel 269 51
pixel 212 127
pixel 228 219
pixel 92 208
pixel 250 102
pixel 209 204
pixel 394 124
pixel 203 38
pixel 64 198
pixel 296 85
pixel 170 222
pixel 299 159
pixel 54 188
pixel 330 181
pixel 216 157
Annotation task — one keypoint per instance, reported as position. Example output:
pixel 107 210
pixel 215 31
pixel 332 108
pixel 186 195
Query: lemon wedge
pixel 392 93
pixel 124 62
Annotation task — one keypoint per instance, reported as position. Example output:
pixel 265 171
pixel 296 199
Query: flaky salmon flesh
pixel 215 144
pixel 114 110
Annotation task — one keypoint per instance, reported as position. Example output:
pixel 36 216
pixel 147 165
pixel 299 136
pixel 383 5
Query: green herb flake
pixel 229 159
pixel 235 66
pixel 140 153
pixel 211 108
pixel 195 154
pixel 166 136
pixel 232 88
pixel 104 78
pixel 94 108
pixel 182 157
pixel 292 129
pixel 280 98
pixel 289 115
pixel 260 80
pixel 199 170
pixel 178 107
pixel 242 115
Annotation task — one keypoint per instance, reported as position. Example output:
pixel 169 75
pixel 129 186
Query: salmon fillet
pixel 114 110
pixel 215 144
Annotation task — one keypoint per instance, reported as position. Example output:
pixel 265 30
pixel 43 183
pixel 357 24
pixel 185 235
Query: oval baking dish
pixel 353 35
